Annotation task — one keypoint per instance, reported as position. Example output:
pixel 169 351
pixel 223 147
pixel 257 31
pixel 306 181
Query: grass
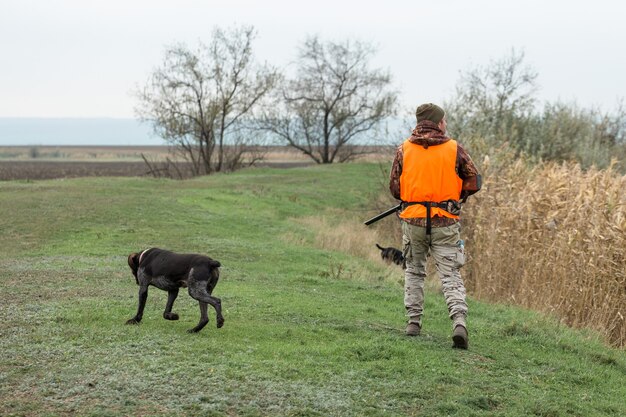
pixel 310 330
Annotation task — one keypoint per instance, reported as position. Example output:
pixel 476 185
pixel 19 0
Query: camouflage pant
pixel 448 253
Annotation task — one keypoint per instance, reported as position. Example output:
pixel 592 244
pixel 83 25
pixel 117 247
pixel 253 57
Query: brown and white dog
pixel 170 271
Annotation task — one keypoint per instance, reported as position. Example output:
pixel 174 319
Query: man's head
pixel 432 112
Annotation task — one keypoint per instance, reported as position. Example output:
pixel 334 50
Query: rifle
pixel 383 214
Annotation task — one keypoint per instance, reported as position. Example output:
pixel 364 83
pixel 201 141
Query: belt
pixel 451 206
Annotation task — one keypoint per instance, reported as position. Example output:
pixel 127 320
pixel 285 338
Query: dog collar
pixel 141 255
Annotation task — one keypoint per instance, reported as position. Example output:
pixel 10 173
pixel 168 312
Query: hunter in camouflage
pixel 430 173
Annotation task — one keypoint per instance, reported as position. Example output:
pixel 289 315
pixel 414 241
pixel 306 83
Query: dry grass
pixel 271 154
pixel 552 238
pixel 82 153
pixel 350 236
pixel 47 162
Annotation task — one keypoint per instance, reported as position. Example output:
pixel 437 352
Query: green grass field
pixel 308 332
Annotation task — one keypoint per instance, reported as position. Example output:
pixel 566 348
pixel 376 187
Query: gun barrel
pixel 383 214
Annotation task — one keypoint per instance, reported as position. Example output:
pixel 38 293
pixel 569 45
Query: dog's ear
pixel 133 261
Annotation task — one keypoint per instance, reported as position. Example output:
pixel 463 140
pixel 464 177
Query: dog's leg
pixel 215 276
pixel 171 297
pixel 199 290
pixel 204 298
pixel 204 318
pixel 212 283
pixel 143 296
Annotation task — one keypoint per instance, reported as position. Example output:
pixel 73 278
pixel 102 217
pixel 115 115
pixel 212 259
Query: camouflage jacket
pixel 426 134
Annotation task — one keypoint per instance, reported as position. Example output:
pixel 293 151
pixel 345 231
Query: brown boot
pixel 459 337
pixel 413 329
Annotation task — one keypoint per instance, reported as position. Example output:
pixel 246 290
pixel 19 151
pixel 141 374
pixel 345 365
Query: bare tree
pixel 333 102
pixel 201 101
pixel 491 100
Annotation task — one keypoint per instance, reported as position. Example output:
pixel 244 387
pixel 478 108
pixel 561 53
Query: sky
pixel 82 59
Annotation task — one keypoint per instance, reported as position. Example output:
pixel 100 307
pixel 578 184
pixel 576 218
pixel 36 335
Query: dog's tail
pixel 380 247
pixel 214 264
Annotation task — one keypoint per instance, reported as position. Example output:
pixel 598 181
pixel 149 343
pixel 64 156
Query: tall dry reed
pixel 552 238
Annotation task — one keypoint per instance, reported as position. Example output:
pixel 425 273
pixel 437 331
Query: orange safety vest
pixel 429 174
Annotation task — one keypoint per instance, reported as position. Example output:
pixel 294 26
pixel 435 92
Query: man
pixel 432 174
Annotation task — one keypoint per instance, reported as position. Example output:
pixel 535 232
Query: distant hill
pixel 75 131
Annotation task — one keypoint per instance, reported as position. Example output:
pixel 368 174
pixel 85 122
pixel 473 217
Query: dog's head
pixel 133 262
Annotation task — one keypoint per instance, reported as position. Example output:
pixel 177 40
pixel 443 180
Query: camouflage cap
pixel 429 111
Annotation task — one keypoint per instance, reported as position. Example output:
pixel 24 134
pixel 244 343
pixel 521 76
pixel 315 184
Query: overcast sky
pixel 71 58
